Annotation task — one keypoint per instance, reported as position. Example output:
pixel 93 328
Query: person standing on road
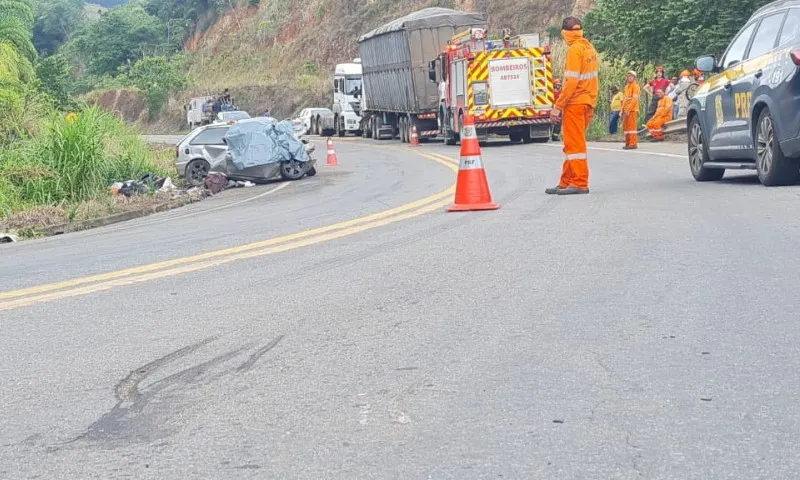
pixel 630 112
pixel 616 108
pixel 575 107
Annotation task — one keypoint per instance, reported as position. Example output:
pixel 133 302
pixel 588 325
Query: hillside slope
pixel 280 53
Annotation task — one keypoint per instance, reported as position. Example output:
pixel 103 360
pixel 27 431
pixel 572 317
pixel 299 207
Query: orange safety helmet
pixel 697 72
pixel 686 73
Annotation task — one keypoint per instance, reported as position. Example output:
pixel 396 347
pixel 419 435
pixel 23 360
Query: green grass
pixel 72 162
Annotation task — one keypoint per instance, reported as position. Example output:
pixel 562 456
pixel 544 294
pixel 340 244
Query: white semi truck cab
pixel 347 94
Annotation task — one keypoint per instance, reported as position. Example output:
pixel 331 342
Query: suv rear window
pixel 767 33
pixel 212 136
pixel 791 27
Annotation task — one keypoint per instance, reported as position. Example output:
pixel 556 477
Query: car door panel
pixel 746 78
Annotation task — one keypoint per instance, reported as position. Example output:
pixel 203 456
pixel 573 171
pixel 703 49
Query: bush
pixel 71 161
pixel 612 74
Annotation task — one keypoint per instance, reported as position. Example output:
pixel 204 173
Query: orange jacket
pixel 630 102
pixel 581 84
pixel 664 110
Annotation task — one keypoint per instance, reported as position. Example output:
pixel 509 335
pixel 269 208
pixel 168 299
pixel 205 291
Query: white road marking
pixel 620 150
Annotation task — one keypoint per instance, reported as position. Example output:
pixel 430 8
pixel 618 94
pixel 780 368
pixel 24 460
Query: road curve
pixel 646 330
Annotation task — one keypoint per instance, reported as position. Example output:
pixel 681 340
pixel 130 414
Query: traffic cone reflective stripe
pixel 414 136
pixel 332 160
pixel 472 187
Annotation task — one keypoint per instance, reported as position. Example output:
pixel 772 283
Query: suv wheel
pixel 772 166
pixel 698 155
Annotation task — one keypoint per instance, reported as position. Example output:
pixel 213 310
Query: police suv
pixel 746 115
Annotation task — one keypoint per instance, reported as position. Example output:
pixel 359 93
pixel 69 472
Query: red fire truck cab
pixel 506 85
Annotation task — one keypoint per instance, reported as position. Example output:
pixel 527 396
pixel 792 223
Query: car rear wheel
pixel 698 155
pixel 196 172
pixel 772 166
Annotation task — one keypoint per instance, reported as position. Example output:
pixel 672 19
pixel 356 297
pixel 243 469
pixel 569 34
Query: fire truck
pixel 506 85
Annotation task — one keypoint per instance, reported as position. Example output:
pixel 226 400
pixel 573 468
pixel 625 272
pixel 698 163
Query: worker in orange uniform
pixel 574 108
pixel 663 115
pixel 630 112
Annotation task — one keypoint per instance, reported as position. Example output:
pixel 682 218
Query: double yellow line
pixel 97 283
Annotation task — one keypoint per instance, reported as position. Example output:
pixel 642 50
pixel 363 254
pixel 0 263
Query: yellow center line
pixel 130 280
pixel 260 248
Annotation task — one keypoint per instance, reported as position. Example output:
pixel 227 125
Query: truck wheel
pixel 772 166
pixel 515 137
pixel 449 136
pixel 698 155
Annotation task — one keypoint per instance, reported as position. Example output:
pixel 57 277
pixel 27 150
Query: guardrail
pixel 675 126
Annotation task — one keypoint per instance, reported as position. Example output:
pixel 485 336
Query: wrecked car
pixel 256 149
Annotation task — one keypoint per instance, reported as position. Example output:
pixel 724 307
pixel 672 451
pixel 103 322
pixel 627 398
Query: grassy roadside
pixel 63 174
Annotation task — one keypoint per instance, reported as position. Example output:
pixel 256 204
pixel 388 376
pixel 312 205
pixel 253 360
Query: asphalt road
pixel 647 330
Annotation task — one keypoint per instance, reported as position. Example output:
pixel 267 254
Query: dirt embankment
pixel 128 104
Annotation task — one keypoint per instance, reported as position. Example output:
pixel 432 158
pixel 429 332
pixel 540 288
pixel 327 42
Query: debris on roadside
pixel 216 182
pixel 239 184
pixel 163 187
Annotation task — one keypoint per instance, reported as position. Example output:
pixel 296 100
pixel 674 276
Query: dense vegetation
pixel 48 157
pixel 668 32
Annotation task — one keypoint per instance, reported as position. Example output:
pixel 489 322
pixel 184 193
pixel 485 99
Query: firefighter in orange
pixel 663 115
pixel 574 108
pixel 630 112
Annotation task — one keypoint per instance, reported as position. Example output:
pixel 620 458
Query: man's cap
pixel 632 73
pixel 571 23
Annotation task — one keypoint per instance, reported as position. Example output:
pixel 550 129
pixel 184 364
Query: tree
pixel 56 21
pixel 670 32
pixel 16 24
pixel 53 74
pixel 158 77
pixel 120 37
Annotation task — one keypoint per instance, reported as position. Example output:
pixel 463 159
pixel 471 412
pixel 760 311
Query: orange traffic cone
pixel 414 136
pixel 332 159
pixel 472 187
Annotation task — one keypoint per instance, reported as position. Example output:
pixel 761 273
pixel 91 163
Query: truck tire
pixel 515 137
pixel 339 126
pixel 450 137
pixel 773 167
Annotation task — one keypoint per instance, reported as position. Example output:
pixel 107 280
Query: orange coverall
pixel 576 102
pixel 663 115
pixel 630 112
